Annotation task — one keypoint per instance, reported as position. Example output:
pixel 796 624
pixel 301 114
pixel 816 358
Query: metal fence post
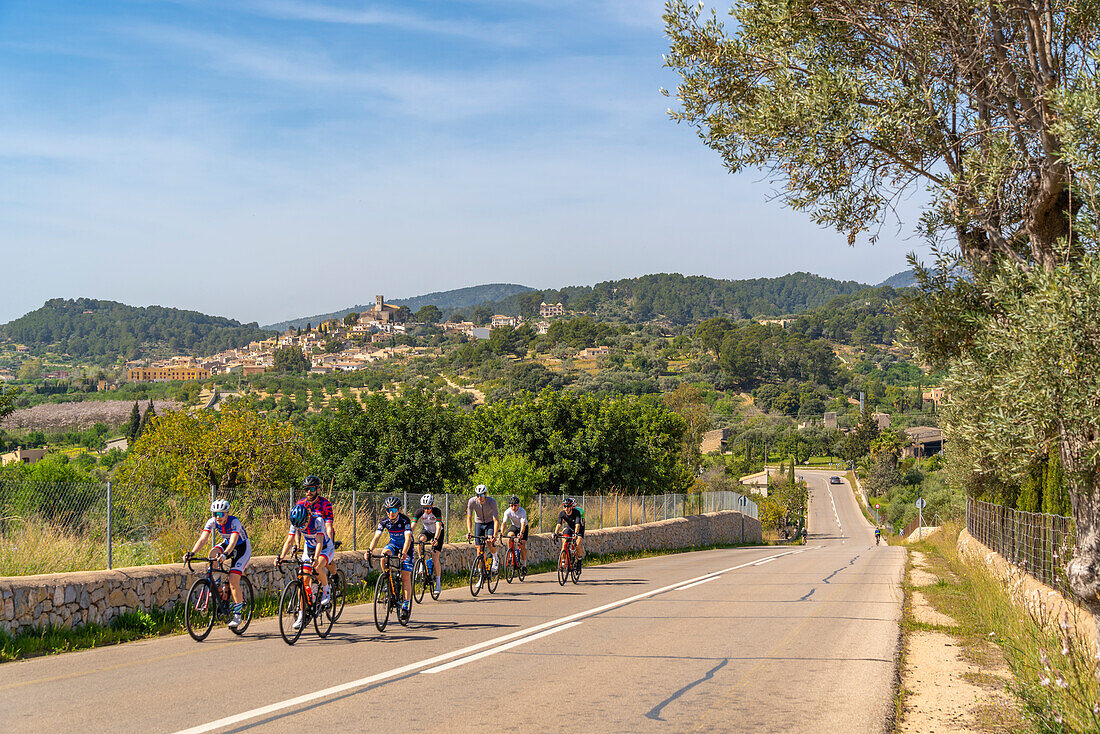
pixel 354 518
pixel 213 496
pixel 540 512
pixel 110 518
pixel 447 511
pixel 602 523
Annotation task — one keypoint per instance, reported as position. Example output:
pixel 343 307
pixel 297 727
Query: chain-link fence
pixel 1037 543
pixel 47 527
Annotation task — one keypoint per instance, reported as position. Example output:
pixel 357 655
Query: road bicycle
pixel 481 568
pixel 209 599
pixel 338 586
pixel 388 592
pixel 569 566
pixel 423 576
pixel 513 564
pixel 300 603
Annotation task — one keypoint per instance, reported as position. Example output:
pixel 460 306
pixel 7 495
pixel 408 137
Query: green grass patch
pixel 141 624
pixel 1056 679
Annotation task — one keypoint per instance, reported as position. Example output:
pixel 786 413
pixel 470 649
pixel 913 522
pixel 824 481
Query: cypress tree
pixel 134 425
pixel 1030 498
pixel 1055 496
pixel 149 415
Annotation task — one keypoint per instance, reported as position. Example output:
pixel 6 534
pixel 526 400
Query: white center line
pixel 369 680
pixel 681 588
pixel 495 650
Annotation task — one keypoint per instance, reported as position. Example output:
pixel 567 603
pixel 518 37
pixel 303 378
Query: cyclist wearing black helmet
pixel 400 529
pixel 317 504
pixel 515 520
pixel 571 523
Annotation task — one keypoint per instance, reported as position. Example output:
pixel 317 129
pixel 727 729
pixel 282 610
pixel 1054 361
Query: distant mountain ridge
pixel 904 279
pixel 452 299
pixel 86 328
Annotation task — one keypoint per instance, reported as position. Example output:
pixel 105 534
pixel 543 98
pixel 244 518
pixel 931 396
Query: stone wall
pixel 78 598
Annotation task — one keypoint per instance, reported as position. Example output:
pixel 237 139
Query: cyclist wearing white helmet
pixel 234 543
pixel 432 530
pixel 482 520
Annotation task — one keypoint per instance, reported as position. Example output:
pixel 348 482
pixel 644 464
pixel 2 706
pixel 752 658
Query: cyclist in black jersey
pixel 571 519
pixel 433 531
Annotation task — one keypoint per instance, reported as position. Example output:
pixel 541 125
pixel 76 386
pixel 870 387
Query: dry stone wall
pixel 79 598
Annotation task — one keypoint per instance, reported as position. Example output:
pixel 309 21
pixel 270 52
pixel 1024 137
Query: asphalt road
pixel 749 639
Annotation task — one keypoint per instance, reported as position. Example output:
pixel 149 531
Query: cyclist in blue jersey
pixel 233 544
pixel 318 548
pixel 400 530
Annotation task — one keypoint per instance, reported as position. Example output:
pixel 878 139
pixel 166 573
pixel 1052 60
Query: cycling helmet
pixel 299 516
pixel 311 481
pixel 568 502
pixel 481 490
pixel 427 500
pixel 392 503
pixel 513 500
pixel 219 506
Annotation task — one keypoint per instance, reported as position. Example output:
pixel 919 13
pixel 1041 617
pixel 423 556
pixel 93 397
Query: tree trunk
pixel 1083 570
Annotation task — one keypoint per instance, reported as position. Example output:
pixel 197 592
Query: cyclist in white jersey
pixel 515 525
pixel 432 530
pixel 233 544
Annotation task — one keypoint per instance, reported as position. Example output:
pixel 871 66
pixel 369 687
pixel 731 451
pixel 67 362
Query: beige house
pixel 23 456
pixel 546 310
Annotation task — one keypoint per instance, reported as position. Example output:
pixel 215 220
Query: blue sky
pixel 265 159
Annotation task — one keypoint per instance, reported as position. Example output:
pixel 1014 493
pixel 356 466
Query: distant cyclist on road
pixel 482 520
pixel 515 522
pixel 571 519
pixel 234 543
pixel 317 504
pixel 400 529
pixel 432 530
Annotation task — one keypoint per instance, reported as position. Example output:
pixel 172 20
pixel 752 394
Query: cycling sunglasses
pixel 394 510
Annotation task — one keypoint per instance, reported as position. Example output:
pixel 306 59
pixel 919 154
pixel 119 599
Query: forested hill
pixel 453 299
pixel 685 299
pixel 92 330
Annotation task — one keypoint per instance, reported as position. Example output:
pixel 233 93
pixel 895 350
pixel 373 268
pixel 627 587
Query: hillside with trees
pixel 92 330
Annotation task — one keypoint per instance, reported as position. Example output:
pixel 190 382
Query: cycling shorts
pixel 515 531
pixel 327 552
pixel 483 529
pixel 435 539
pixel 395 551
pixel 240 557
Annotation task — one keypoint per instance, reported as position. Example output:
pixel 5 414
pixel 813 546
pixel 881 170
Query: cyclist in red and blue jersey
pixel 318 548
pixel 317 504
pixel 233 544
pixel 400 530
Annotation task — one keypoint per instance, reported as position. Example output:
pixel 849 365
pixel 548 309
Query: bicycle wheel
pixel 575 570
pixel 419 580
pixel 200 610
pixel 476 570
pixel 249 599
pixel 510 566
pixel 522 570
pixel 431 581
pixel 291 612
pixel 322 618
pixel 381 602
pixel 339 595
pixel 563 567
pixel 494 578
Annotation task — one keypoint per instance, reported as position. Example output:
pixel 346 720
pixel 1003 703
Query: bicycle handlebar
pixel 209 562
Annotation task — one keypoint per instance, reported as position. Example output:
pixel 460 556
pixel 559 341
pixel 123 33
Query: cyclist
pixel 432 530
pixel 318 504
pixel 515 519
pixel 878 535
pixel 482 520
pixel 571 518
pixel 318 549
pixel 400 529
pixel 234 540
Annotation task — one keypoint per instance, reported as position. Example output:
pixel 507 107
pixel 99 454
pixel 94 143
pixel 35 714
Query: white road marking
pixel 495 650
pixel 761 563
pixel 377 677
pixel 681 588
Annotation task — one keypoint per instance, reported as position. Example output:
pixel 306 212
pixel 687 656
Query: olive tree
pixel 990 107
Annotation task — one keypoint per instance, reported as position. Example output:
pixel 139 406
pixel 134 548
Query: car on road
pixel 834 480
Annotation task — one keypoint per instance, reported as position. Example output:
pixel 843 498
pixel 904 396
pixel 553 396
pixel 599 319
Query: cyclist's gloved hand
pixel 188 556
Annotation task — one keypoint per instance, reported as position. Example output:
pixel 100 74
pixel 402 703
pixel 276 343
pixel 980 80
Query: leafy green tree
pixel 133 427
pixel 428 315
pixel 233 448
pixel 510 474
pixel 481 314
pixel 290 359
pixel 351 319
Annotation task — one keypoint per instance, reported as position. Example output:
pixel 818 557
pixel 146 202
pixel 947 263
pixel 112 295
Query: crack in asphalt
pixel 655 712
pixel 842 568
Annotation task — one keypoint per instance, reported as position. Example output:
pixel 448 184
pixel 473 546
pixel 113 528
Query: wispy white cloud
pixel 489 32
